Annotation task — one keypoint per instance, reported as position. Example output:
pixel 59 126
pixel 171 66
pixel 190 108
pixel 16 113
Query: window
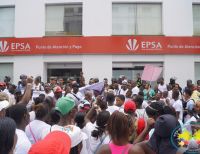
pixel 138 19
pixel 196 19
pixel 6 69
pixel 64 20
pixel 131 69
pixel 197 71
pixel 64 70
pixel 7 21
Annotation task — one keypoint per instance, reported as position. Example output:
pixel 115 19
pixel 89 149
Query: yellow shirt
pixel 195 95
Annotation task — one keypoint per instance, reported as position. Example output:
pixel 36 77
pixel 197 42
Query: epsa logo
pixel 133 45
pixel 4 46
pixel 14 46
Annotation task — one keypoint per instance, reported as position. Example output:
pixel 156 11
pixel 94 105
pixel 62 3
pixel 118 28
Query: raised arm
pixel 149 126
pixel 27 94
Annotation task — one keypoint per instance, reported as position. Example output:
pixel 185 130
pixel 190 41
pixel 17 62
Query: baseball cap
pixel 64 105
pixel 4 104
pixel 124 82
pixel 84 105
pixel 54 142
pixel 57 89
pixel 129 105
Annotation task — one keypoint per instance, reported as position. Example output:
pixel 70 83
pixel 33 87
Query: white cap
pixel 124 82
pixel 4 104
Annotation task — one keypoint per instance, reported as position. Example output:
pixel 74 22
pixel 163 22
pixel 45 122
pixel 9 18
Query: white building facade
pixel 50 18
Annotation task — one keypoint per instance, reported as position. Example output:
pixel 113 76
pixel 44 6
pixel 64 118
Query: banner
pixel 100 45
pixel 96 86
pixel 151 73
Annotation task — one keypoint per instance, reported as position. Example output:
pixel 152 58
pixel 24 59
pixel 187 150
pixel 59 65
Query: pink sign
pixel 151 73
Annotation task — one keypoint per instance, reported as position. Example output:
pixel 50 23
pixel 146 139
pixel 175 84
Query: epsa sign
pixel 133 45
pixel 20 46
pixel 5 46
pixel 151 45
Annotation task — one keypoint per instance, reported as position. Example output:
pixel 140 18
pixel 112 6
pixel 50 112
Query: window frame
pixel 63 4
pixel 136 3
pixel 193 18
pixel 9 6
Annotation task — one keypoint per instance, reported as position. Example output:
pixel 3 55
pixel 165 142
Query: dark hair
pixel 141 93
pixel 103 105
pixel 54 117
pixel 169 110
pixel 139 100
pixel 101 102
pixel 76 149
pixel 80 119
pixel 37 100
pixel 38 78
pixel 110 98
pixel 49 101
pixel 7 134
pixel 122 97
pixel 188 91
pixel 118 126
pixel 40 111
pixel 155 109
pixel 172 81
pixel 17 112
pixel 175 94
pixel 102 119
pixel 42 97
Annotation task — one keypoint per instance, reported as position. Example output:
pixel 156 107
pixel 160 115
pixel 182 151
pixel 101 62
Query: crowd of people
pixel 124 117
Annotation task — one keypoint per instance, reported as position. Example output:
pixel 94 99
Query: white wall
pixel 29 18
pixel 177 18
pixel 29 65
pixel 181 67
pixel 97 18
pixel 97 66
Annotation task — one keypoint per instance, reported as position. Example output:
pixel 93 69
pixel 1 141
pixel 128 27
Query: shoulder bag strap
pixel 101 141
pixel 32 133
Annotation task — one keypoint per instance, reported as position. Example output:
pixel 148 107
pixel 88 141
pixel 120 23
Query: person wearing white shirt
pixel 162 86
pixel 67 109
pixel 195 115
pixel 135 89
pixel 176 87
pixel 177 105
pixel 47 90
pixel 75 94
pixel 190 102
pixel 90 119
pixel 120 99
pixel 140 111
pixel 34 129
pixel 110 98
pixel 20 115
pixel 99 136
pixel 124 88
